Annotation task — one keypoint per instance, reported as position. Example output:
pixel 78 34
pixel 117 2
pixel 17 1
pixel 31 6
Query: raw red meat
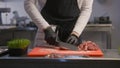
pixel 88 46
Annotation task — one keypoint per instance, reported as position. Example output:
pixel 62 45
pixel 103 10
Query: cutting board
pixel 41 52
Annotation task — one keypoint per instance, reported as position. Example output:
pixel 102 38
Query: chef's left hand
pixel 73 39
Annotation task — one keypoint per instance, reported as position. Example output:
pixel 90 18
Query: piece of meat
pixel 88 46
pixel 53 55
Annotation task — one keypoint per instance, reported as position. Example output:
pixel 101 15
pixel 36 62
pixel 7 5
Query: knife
pixel 67 45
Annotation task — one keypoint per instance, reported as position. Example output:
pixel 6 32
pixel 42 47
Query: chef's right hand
pixel 50 36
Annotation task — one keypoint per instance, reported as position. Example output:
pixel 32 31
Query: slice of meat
pixel 53 55
pixel 88 45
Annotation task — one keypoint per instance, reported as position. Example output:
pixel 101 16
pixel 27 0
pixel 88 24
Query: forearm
pixel 35 14
pixel 83 19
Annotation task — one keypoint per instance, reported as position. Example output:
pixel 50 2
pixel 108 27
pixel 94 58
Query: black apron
pixel 63 13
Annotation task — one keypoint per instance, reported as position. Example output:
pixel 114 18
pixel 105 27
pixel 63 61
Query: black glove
pixel 73 39
pixel 50 36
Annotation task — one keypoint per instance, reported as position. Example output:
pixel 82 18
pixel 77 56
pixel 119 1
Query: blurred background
pixel 104 12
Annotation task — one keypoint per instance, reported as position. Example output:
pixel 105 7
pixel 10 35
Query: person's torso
pixel 60 10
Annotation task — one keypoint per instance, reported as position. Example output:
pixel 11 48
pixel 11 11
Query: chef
pixel 69 16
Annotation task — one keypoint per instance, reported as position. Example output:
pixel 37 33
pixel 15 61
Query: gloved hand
pixel 50 36
pixel 73 39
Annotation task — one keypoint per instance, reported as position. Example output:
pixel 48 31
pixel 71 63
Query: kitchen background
pixel 101 8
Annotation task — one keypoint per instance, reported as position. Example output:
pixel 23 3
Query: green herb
pixel 18 43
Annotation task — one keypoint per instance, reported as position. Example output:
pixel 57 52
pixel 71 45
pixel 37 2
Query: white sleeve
pixel 34 13
pixel 86 9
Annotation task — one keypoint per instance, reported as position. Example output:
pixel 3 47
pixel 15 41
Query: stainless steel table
pixel 110 59
pixel 4 27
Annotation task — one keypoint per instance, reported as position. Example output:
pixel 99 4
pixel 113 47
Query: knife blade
pixel 67 45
